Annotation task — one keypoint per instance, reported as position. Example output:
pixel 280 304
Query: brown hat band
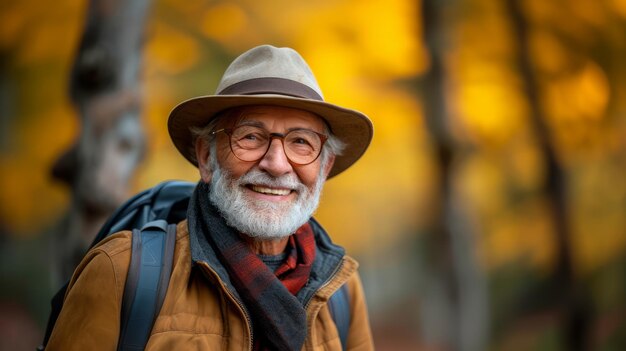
pixel 271 85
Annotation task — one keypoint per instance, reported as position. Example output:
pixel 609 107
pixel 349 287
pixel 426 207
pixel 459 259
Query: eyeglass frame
pixel 279 136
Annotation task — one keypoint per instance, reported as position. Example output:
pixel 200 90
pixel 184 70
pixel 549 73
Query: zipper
pixel 309 324
pixel 234 299
pixel 330 278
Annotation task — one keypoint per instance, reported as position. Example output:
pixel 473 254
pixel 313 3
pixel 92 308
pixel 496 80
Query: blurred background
pixel 488 214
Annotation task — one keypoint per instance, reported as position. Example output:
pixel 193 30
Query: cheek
pixel 234 166
pixel 309 174
pixel 224 156
pixel 223 151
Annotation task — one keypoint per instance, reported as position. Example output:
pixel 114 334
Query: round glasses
pixel 251 143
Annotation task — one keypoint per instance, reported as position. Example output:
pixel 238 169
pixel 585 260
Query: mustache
pixel 257 177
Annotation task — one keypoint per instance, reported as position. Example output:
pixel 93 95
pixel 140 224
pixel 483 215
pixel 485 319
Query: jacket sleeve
pixel 90 318
pixel 360 335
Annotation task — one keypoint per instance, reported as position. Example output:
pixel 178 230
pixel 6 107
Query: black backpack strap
pixel 147 281
pixel 339 305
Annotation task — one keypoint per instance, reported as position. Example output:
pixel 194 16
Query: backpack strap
pixel 147 281
pixel 339 305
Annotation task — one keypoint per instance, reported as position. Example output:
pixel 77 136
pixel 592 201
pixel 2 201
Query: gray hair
pixel 333 146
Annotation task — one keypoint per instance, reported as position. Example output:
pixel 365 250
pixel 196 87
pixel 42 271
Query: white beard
pixel 262 220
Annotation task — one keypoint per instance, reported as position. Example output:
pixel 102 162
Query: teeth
pixel 263 190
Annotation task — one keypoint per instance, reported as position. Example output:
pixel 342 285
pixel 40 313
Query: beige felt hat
pixel 266 75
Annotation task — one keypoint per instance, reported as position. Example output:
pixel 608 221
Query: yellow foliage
pixel 597 216
pixel 482 182
pixel 27 27
pixel 549 54
pixel 188 11
pixel 224 22
pixel 490 108
pixel 170 50
pixel 389 189
pixel 526 165
pixel 483 36
pixel 29 199
pixel 485 102
pixel 508 232
pixel 618 6
pixel 579 20
pixel 40 42
pixel 526 234
pixel 37 34
pixel 375 38
pixel 589 12
pixel 539 10
pixel 593 93
pixel 12 22
pixel 576 103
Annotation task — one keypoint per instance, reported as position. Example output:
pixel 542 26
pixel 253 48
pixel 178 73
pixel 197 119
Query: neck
pixel 266 247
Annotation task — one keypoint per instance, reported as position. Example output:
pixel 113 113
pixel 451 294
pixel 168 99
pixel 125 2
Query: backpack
pixel 152 216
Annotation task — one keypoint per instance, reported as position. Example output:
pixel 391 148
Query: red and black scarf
pixel 277 316
pixel 294 272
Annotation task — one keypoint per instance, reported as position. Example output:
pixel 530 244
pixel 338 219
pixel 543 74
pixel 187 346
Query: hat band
pixel 271 85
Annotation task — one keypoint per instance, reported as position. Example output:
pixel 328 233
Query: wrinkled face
pixel 271 197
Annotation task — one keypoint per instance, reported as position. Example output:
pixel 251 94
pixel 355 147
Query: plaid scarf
pixel 294 272
pixel 278 318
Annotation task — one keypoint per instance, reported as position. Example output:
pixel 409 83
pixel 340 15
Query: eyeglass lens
pixel 250 143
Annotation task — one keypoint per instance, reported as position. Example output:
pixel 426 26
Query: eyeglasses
pixel 250 143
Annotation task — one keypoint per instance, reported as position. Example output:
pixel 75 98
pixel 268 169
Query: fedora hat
pixel 266 75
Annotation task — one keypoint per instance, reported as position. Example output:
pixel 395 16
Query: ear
pixel 202 155
pixel 329 165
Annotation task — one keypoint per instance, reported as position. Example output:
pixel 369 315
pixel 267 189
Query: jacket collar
pixel 328 259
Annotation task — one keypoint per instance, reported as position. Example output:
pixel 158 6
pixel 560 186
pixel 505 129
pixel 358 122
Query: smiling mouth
pixel 269 191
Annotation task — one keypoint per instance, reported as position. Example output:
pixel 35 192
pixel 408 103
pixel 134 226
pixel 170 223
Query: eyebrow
pixel 252 123
pixel 259 124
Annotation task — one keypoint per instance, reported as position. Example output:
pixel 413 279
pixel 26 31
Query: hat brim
pixel 352 127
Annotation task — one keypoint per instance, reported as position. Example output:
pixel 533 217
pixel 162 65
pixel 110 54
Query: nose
pixel 275 162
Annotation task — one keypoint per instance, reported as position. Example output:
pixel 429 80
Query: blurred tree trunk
pixel 569 298
pixel 105 89
pixel 454 308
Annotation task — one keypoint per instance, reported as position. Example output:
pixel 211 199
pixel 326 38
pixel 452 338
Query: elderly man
pixel 252 270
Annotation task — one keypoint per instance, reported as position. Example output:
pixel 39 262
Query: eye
pixel 251 137
pixel 248 137
pixel 251 140
pixel 301 141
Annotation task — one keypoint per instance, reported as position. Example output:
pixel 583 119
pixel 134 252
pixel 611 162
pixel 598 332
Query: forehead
pixel 275 117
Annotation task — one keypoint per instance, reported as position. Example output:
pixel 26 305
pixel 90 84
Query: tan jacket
pixel 199 312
